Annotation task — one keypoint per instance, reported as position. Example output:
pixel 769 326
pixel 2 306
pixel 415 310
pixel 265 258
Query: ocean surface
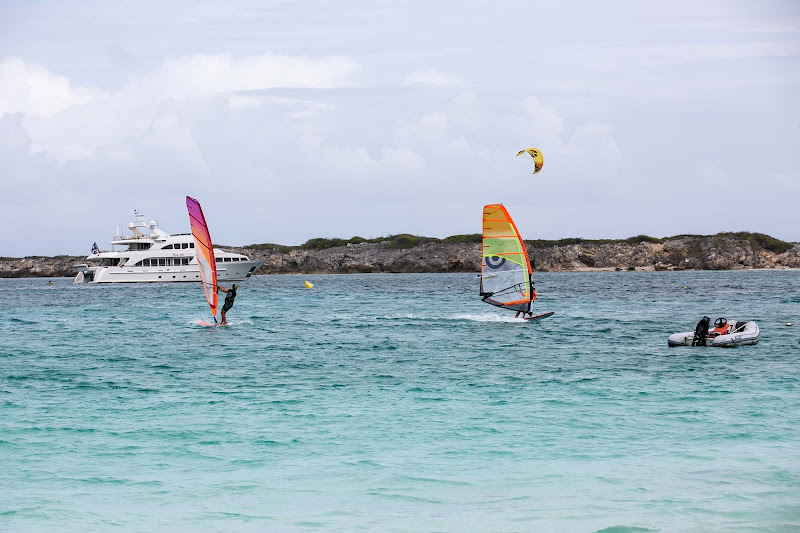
pixel 399 403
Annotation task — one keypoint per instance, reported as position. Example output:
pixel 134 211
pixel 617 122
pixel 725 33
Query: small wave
pixel 475 317
pixel 21 321
pixel 486 318
pixel 437 481
pixel 625 529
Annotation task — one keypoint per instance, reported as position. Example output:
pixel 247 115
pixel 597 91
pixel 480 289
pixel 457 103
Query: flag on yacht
pixel 95 249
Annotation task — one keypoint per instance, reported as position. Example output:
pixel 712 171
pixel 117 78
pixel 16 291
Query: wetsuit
pixel 229 300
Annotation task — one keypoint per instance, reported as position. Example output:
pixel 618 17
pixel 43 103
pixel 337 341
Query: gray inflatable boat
pixel 737 333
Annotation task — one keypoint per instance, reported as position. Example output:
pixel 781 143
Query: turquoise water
pixel 399 403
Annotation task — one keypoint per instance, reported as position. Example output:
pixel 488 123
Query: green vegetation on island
pixel 406 240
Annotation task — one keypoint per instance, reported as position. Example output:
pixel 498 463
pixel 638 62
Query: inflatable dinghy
pixel 725 334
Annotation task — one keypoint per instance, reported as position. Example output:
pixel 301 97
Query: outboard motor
pixel 700 332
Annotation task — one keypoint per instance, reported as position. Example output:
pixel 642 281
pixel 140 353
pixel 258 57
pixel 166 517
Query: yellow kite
pixel 537 157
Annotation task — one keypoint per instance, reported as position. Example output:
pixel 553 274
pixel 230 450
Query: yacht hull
pixel 238 271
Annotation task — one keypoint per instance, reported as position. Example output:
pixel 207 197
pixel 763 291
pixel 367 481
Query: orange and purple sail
pixel 204 251
pixel 506 279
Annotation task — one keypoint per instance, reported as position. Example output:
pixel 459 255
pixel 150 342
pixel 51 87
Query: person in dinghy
pixel 231 296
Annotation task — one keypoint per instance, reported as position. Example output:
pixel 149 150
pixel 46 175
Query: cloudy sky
pixel 290 120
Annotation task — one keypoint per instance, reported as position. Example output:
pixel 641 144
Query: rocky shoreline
pixel 715 252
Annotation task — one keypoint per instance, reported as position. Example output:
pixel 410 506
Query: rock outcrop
pixel 39 266
pixel 716 252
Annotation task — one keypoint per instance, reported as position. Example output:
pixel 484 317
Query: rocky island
pixel 461 253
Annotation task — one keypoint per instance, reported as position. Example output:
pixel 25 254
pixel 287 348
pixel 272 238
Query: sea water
pixel 399 403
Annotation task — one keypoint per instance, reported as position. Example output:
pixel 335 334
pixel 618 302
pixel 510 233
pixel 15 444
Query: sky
pixel 291 120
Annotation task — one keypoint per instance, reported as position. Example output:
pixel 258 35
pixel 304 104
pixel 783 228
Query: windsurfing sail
pixel 506 279
pixel 204 251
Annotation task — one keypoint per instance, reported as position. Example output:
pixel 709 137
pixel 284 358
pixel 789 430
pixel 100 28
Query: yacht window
pixel 162 262
pixel 167 247
pixel 184 245
pixel 227 259
pixel 191 245
pixel 219 260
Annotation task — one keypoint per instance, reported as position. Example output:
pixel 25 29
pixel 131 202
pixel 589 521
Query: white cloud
pixel 207 74
pixel 431 77
pixel 594 141
pixel 544 122
pixel 428 130
pixel 35 91
pixel 71 123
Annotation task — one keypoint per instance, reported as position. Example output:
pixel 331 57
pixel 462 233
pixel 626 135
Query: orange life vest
pixel 722 330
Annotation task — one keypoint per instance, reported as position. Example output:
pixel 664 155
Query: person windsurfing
pixel 231 296
pixel 530 304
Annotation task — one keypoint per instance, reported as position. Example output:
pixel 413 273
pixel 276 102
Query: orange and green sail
pixel 204 251
pixel 506 279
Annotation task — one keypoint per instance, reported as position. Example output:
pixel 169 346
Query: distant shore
pixel 462 253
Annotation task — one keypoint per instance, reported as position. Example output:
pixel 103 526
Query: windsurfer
pixel 231 296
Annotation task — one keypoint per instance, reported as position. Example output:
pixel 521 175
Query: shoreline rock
pixel 715 252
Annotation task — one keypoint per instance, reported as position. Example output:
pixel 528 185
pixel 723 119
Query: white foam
pixel 206 322
pixel 474 317
pixel 486 318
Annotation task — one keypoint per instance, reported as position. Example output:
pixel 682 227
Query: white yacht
pixel 153 255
